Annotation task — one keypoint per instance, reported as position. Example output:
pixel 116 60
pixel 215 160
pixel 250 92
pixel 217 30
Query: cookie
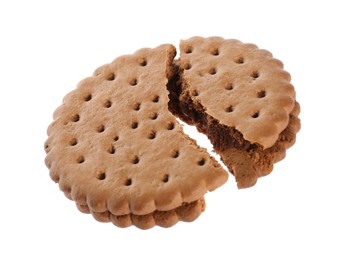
pixel 242 99
pixel 187 212
pixel 116 150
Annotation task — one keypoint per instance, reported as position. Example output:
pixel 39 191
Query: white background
pixel 297 212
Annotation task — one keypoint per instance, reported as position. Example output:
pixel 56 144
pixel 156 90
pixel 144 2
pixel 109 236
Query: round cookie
pixel 239 85
pixel 242 98
pixel 115 147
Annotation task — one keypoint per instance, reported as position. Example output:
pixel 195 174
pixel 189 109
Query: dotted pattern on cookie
pixel 239 85
pixel 114 146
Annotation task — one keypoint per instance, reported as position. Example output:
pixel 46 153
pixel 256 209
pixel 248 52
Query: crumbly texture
pixel 116 148
pixel 248 164
pixel 239 85
pixel 246 161
pixel 114 145
pixel 187 212
pixel 241 98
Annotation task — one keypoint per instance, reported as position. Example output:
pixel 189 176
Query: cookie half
pixel 242 99
pixel 115 148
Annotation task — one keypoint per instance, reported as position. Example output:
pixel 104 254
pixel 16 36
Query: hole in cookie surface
pixel 255 74
pixel 137 107
pixel 165 178
pixel 215 52
pixel 154 116
pixel 261 94
pixel 133 82
pixel 187 66
pixel 128 182
pixel 80 159
pixel 229 86
pixel 155 99
pixel 110 76
pixel 240 60
pixel 201 162
pixel 134 125
pixel 107 103
pixel 101 128
pixel 195 93
pixel 75 118
pixel 188 49
pixel 152 135
pixel 101 176
pixel 135 159
pixel 116 137
pixel 229 109
pixel 175 154
pixel 143 62
pixel 170 126
pixel 212 71
pixel 88 97
pixel 111 149
pixel 255 115
pixel 73 142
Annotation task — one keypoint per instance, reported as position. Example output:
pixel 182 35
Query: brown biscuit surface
pixel 239 85
pixel 241 97
pixel 115 147
pixel 187 212
pixel 249 164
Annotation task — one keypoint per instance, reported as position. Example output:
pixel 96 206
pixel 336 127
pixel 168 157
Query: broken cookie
pixel 116 148
pixel 242 99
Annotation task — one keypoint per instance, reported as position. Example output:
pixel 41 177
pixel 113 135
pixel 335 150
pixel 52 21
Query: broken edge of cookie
pixel 246 160
pixel 107 202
